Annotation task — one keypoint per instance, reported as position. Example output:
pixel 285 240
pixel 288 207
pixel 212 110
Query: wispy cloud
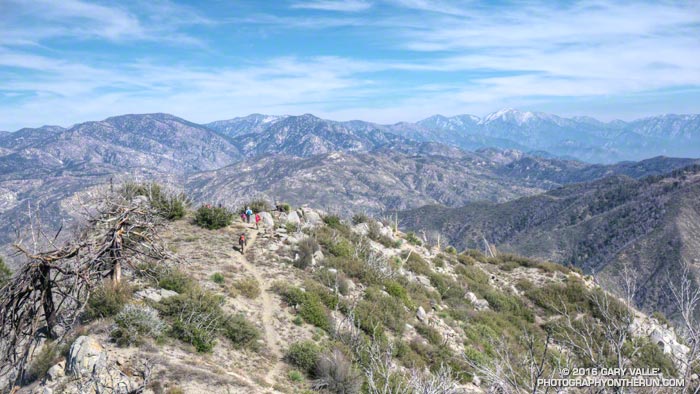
pixel 402 60
pixel 334 5
pixel 32 23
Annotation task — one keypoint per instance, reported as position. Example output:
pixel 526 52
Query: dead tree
pixel 516 371
pixel 686 297
pixel 46 296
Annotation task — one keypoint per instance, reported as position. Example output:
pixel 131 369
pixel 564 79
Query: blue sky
pixel 68 61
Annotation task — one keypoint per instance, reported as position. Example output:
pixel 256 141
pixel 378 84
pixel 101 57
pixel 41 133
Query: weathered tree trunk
pixel 116 255
pixel 47 300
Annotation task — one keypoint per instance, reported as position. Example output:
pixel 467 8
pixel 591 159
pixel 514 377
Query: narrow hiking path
pixel 268 307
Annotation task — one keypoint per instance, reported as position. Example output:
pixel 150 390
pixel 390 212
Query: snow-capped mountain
pixel 584 138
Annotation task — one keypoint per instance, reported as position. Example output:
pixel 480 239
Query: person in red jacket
pixel 242 242
pixel 257 221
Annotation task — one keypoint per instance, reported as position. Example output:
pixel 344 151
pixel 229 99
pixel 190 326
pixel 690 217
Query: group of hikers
pixel 248 216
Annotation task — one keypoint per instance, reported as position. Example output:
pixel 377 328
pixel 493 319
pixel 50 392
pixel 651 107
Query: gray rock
pixel 86 357
pixel 267 219
pixel 293 218
pixel 361 228
pixel 421 315
pixel 56 372
pixel 312 217
pixel 386 231
pixel 476 381
pixel 154 295
pixel 351 285
pixel 481 305
pixel 316 257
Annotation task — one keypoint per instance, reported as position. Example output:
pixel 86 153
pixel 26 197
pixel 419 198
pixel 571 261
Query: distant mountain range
pixel 511 172
pixel 581 138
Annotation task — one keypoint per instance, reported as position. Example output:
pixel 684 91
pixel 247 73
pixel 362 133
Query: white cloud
pixel 456 57
pixel 33 22
pixel 334 5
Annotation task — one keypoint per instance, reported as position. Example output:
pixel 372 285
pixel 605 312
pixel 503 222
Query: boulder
pixel 293 218
pixel 471 297
pixel 312 217
pixel 154 295
pixel 361 228
pixel 481 305
pixel 86 357
pixel 317 256
pixel 56 372
pixel 386 231
pixel 267 220
pixel 421 315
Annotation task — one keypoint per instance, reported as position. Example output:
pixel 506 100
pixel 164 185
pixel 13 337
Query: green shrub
pixel 5 273
pixel 397 290
pixel 169 205
pixel 306 249
pixel 378 310
pixel 249 287
pixel 650 355
pixel 291 227
pixel 309 305
pixel 213 218
pixel 327 297
pixel 295 376
pixel 336 374
pixel 429 333
pixel 303 355
pixel 218 278
pixel 240 331
pixel 524 285
pixel 333 279
pixel 197 318
pixel 360 218
pixel 175 280
pixel 660 317
pixel 451 250
pixel 49 355
pixel 416 264
pixel 293 296
pixel 135 322
pixel 413 239
pixel 332 221
pixel 257 206
pixel 107 300
pixel 408 357
pixel 313 312
pixel 353 267
pixel 374 233
pixel 342 248
pixel 284 207
pixel 573 294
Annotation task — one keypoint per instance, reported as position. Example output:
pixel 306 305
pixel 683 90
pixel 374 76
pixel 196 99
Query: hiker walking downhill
pixel 243 217
pixel 242 242
pixel 248 213
pixel 257 221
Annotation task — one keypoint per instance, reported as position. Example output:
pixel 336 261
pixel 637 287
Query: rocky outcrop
pixel 86 357
pixel 154 295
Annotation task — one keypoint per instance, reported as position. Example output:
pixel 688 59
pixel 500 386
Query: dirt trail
pixel 268 307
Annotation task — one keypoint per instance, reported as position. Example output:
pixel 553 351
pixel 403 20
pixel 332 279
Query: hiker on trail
pixel 242 242
pixel 249 213
pixel 244 217
pixel 257 221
